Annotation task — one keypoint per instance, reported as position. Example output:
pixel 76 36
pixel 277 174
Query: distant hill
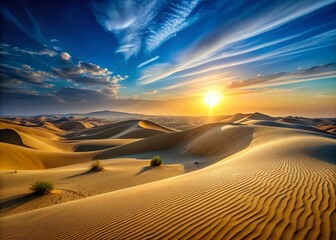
pixel 107 114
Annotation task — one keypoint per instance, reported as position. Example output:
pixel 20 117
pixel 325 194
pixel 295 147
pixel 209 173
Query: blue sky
pixel 160 57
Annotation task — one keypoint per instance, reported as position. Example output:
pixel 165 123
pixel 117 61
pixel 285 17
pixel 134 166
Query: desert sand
pixel 246 176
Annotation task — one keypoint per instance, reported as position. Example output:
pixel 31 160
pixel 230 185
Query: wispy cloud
pixel 265 18
pixel 26 74
pixel 45 51
pixel 127 20
pixel 202 81
pixel 35 25
pixel 146 24
pixel 151 92
pixel 11 18
pixel 147 62
pixel 174 21
pixel 16 50
pixel 165 70
pixel 324 96
pixel 234 84
pixel 237 48
pixel 32 31
pixel 212 64
pixel 303 75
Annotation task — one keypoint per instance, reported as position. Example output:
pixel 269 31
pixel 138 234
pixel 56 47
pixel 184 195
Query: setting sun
pixel 211 99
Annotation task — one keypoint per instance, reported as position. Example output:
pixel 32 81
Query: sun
pixel 211 99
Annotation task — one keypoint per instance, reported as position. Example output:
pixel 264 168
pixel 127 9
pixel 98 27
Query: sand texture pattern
pixel 249 176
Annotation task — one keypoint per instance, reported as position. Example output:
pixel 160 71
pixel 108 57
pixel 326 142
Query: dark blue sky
pixel 150 56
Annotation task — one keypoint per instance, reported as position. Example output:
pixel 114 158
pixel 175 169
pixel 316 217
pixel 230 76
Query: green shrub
pixel 156 161
pixel 96 166
pixel 42 187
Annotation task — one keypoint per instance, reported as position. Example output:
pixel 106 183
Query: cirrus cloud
pixel 146 24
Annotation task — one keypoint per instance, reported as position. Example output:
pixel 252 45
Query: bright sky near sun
pixel 163 57
pixel 211 99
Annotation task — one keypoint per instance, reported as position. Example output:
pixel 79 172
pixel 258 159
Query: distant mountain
pixel 107 114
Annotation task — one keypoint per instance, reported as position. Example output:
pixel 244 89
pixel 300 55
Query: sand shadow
pixel 12 172
pixel 15 201
pixel 91 171
pixel 144 169
pixel 89 148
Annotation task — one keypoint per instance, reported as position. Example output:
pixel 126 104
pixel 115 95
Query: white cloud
pixel 151 92
pixel 48 52
pixel 206 80
pixel 27 67
pixel 211 45
pixel 127 20
pixel 65 56
pixel 147 62
pixel 111 91
pixel 178 19
pixel 57 48
pixel 89 75
pixel 125 48
pixel 45 51
pixel 27 74
pixel 314 73
pixel 147 23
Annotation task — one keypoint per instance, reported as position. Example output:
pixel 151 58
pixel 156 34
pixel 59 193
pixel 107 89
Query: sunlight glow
pixel 211 99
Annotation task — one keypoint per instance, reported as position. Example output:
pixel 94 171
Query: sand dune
pixel 51 127
pixel 74 125
pixel 234 118
pixel 19 138
pixel 256 116
pixel 264 192
pixel 282 124
pixel 44 150
pixel 96 144
pixel 329 127
pixel 154 126
pixel 299 121
pixel 11 136
pixel 241 118
pixel 317 125
pixel 32 131
pixel 21 158
pixel 124 129
pixel 28 141
pixel 248 177
pixel 76 181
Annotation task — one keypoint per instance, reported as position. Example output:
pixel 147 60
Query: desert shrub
pixel 42 187
pixel 96 166
pixel 156 161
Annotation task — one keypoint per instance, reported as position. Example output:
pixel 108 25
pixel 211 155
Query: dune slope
pixel 279 184
pixel 124 129
pixel 11 136
pixel 19 158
